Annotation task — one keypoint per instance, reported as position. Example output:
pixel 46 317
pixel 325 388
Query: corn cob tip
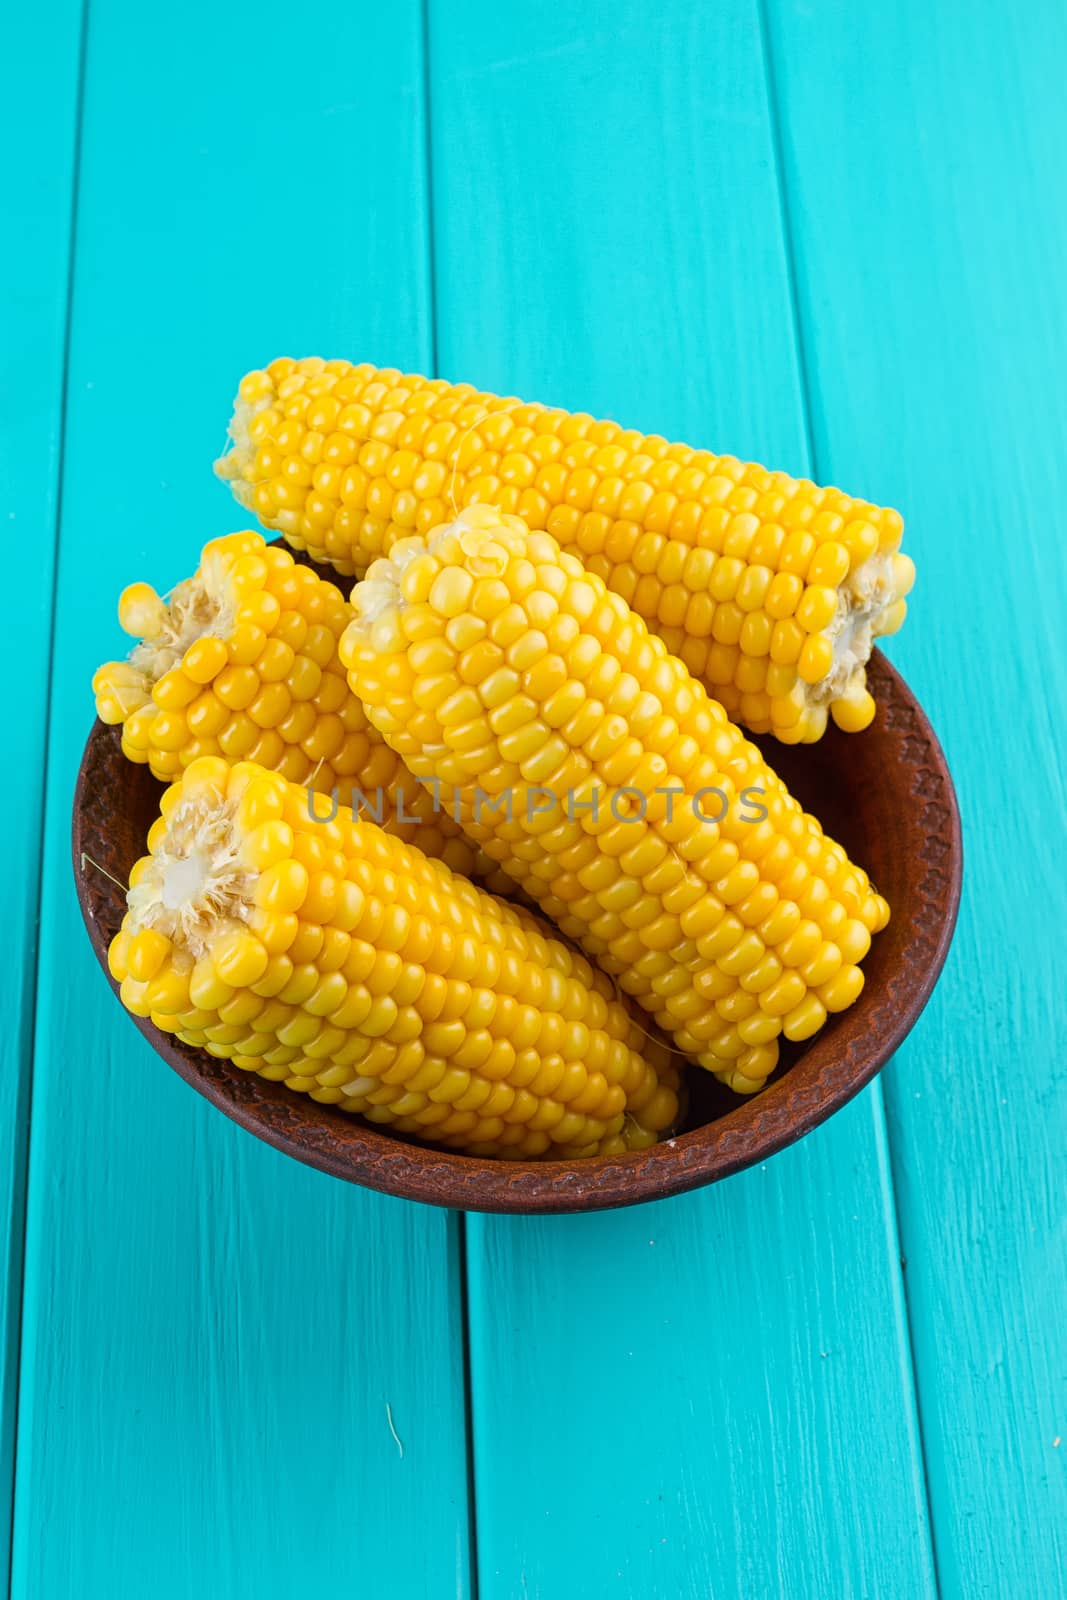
pixel 467 548
pixel 256 395
pixel 194 881
pixel 869 604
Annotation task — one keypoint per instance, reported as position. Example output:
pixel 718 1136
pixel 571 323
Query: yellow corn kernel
pixel 816 658
pixel 146 953
pixel 855 711
pixel 842 990
pixel 140 609
pixel 817 608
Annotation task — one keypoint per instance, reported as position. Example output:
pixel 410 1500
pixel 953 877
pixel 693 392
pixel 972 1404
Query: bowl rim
pixel 335 1142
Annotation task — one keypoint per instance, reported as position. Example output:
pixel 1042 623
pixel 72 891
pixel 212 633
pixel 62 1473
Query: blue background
pixel 827 236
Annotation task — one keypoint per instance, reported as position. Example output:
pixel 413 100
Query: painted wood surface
pixel 826 236
pixel 39 80
pixel 218 1343
pixel 931 139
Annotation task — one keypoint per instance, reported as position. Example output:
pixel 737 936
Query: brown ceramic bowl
pixel 885 794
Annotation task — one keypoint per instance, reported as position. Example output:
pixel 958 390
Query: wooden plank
pixel 924 155
pixel 218 1343
pixel 712 1395
pixel 38 112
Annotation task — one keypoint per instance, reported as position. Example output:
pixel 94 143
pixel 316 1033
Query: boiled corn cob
pixel 770 589
pixel 242 663
pixel 350 966
pixel 497 666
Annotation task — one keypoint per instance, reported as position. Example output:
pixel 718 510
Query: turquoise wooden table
pixel 826 236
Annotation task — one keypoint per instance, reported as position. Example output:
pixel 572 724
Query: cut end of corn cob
pixel 498 667
pixel 342 961
pixel 242 662
pixel 256 398
pixel 771 589
pixel 868 604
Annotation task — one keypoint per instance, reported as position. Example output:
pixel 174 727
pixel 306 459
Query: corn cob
pixel 242 663
pixel 493 662
pixel 770 589
pixel 350 966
